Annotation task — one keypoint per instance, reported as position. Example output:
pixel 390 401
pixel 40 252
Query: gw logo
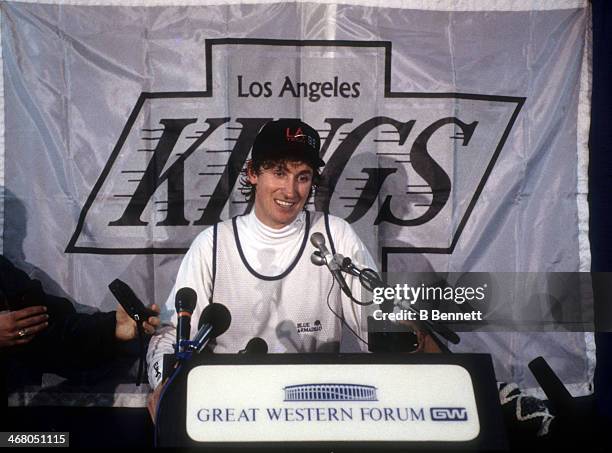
pixel 414 164
pixel 453 414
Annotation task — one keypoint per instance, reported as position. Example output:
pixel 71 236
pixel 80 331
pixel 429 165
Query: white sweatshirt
pixel 265 278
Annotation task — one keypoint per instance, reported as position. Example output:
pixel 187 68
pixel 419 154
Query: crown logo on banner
pixel 414 162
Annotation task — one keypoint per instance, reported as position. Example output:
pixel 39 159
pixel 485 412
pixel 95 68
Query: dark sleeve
pixel 71 339
pixel 15 286
pixel 80 347
pixel 78 339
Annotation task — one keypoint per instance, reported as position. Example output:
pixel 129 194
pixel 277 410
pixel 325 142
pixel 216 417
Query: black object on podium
pixel 490 435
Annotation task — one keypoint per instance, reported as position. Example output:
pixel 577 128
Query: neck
pixel 275 232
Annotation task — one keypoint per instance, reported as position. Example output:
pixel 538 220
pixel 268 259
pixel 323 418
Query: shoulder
pixel 11 276
pixel 203 241
pixel 340 231
pixel 339 227
pixel 348 242
pixel 6 265
pixel 337 221
pixel 197 260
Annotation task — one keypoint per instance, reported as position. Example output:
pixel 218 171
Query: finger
pixel 29 311
pixel 31 331
pixel 151 411
pixel 153 321
pixel 23 340
pixel 31 321
pixel 155 308
pixel 152 406
pixel 149 329
pixel 121 311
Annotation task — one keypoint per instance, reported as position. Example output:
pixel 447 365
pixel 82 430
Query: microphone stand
pixel 183 354
pixel 318 260
pixel 369 279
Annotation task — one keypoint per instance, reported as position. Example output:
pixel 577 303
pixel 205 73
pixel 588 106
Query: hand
pixel 424 339
pixel 426 343
pixel 125 328
pixel 153 400
pixel 21 326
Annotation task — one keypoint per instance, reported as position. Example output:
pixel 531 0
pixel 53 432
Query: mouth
pixel 285 204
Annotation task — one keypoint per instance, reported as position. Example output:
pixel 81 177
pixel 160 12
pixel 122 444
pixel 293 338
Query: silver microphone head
pixel 318 240
pixel 317 259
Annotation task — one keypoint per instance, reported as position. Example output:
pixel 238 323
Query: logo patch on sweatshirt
pixel 305 327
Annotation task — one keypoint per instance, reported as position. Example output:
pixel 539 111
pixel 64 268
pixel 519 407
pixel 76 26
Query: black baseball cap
pixel 288 139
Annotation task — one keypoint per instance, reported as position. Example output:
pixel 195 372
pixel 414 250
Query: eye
pixel 305 177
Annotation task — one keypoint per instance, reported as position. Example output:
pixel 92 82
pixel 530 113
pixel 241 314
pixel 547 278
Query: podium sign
pixel 393 402
pixel 376 401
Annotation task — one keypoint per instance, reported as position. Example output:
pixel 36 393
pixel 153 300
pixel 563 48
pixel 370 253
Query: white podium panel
pixel 331 403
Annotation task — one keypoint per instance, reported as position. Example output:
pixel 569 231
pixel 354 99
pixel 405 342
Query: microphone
pixel 556 392
pixel 317 259
pixel 130 301
pixel 214 321
pixel 184 302
pixel 318 240
pixel 255 346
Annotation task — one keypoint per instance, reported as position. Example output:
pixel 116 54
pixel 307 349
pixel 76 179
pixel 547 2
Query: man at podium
pixel 259 265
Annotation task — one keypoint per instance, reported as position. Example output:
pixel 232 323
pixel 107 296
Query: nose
pixel 291 188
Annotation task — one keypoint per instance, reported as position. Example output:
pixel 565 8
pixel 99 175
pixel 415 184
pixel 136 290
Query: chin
pixel 286 219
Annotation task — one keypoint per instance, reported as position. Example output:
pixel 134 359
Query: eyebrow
pixel 280 166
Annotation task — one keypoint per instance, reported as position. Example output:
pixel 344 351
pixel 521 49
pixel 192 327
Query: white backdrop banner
pixel 453 132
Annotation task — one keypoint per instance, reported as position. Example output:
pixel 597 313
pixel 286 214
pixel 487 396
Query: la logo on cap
pixel 293 137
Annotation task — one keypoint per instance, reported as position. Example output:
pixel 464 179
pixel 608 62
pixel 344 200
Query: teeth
pixel 285 204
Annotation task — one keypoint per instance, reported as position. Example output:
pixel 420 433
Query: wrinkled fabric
pixel 450 139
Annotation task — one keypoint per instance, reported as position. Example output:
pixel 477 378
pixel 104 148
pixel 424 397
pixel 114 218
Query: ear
pixel 251 175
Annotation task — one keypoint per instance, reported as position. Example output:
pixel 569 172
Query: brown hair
pixel 248 189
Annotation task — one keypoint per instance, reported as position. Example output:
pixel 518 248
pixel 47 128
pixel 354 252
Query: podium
pixel 333 401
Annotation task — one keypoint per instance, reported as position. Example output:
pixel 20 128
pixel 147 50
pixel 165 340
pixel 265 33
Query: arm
pixel 194 272
pixel 91 336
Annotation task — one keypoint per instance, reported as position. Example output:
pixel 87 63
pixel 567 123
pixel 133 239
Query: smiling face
pixel 281 192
